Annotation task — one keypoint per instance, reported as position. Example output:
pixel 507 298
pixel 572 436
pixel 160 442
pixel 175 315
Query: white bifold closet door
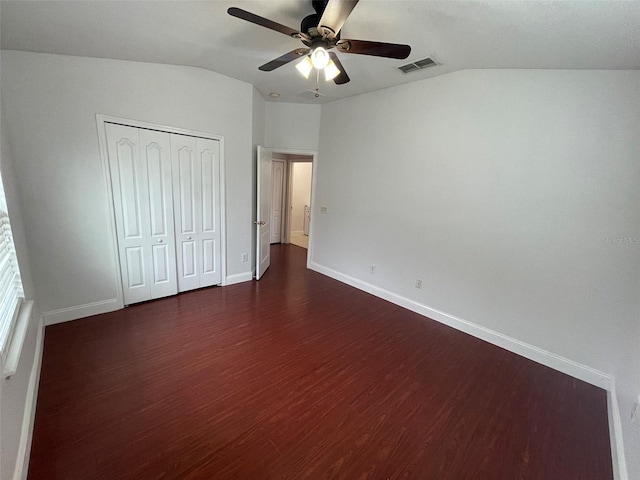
pixel 140 163
pixel 196 200
pixel 166 197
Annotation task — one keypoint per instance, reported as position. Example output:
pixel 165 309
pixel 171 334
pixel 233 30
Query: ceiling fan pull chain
pixel 317 83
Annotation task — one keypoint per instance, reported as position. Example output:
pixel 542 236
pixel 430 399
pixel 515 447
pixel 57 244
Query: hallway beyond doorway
pixel 300 239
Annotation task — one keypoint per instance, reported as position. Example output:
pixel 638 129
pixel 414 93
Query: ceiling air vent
pixel 418 65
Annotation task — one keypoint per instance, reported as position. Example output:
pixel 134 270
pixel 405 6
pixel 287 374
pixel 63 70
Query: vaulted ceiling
pixel 458 34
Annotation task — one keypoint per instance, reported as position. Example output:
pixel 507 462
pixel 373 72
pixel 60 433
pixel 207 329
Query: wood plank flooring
pixel 301 377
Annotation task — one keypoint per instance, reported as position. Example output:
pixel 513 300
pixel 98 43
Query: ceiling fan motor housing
pixel 309 26
pixel 310 23
pixel 319 6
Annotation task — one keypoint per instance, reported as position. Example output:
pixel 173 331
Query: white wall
pixel 258 138
pixel 16 398
pixel 504 191
pixel 50 104
pixel 17 404
pixel 292 126
pixel 300 194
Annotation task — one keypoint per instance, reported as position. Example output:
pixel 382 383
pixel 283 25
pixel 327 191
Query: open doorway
pixel 275 171
pixel 300 204
pixel 291 178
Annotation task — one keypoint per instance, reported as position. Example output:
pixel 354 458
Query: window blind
pixel 11 292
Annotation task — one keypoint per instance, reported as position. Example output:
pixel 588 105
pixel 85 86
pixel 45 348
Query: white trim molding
pixel 238 278
pixel 28 419
pixel 615 433
pixel 80 311
pixel 551 360
pixel 14 351
pixel 564 365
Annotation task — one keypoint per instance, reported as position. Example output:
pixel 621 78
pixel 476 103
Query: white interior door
pixel 196 200
pixel 140 165
pixel 277 197
pixel 209 226
pixel 263 209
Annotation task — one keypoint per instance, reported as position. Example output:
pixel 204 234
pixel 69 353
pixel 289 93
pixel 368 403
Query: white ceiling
pixel 458 34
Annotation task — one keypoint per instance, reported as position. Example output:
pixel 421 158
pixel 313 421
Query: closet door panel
pixel 209 191
pixel 196 166
pixel 161 264
pixel 185 187
pixel 209 257
pixel 185 206
pixel 135 267
pixel 209 233
pixel 140 167
pixel 157 190
pixel 189 259
pixel 127 172
pixel 130 193
pixel 156 150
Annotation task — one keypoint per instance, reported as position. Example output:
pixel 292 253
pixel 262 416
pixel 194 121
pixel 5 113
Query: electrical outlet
pixel 372 269
pixel 418 283
pixel 323 209
pixel 635 410
pixel 245 257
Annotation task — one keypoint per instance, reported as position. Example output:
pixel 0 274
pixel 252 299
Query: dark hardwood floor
pixel 301 377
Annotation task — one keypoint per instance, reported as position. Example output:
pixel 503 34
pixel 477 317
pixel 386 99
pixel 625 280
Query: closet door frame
pixel 101 121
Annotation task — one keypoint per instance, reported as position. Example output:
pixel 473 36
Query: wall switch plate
pixel 418 283
pixel 245 257
pixel 372 269
pixel 323 209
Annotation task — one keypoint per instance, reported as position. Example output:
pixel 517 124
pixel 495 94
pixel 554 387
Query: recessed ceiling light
pixel 274 95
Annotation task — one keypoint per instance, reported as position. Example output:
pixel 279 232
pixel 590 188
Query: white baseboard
pixel 28 419
pixel 615 434
pixel 551 360
pixel 557 362
pixel 80 311
pixel 238 278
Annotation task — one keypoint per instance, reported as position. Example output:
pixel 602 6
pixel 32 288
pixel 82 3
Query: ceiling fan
pixel 320 32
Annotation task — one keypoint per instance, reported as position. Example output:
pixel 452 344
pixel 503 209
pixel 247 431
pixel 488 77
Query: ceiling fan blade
pixel 342 78
pixel 334 16
pixel 377 49
pixel 284 59
pixel 263 22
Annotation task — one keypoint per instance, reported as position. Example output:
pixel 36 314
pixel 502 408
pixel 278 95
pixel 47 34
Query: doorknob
pixel 188 238
pixel 160 240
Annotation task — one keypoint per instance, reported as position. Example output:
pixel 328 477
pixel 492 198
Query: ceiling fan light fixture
pixel 305 66
pixel 331 71
pixel 320 32
pixel 319 58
